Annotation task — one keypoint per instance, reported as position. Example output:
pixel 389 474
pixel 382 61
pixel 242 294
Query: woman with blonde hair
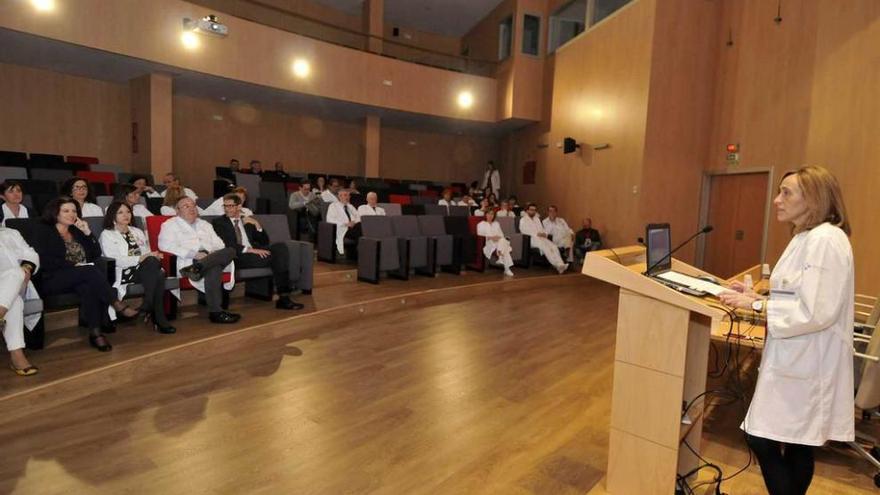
pixel 169 203
pixel 804 394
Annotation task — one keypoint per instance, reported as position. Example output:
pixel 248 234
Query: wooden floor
pixel 452 385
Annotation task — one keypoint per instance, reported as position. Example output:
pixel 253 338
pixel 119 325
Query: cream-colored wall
pixel 48 112
pixel 407 154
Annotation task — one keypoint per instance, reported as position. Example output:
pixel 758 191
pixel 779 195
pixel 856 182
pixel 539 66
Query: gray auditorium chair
pixel 302 254
pixel 326 237
pixel 103 201
pixel 391 209
pixel 204 202
pixel 16 173
pixel 276 194
pixel 520 243
pixel 106 167
pixel 424 200
pixel 406 228
pixel 441 246
pixel 52 174
pixel 435 209
pixel 460 211
pixel 379 250
pixel 253 184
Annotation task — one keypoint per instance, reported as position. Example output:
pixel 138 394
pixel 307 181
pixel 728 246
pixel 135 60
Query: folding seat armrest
pixel 369 251
pixel 327 242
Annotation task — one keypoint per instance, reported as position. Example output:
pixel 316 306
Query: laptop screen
pixel 657 240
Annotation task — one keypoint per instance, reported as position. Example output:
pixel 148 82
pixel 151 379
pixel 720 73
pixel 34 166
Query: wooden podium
pixel 660 362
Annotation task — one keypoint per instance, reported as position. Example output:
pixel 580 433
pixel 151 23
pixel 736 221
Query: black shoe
pixel 223 317
pixel 108 327
pixel 100 343
pixel 287 303
pixel 192 272
pixel 166 330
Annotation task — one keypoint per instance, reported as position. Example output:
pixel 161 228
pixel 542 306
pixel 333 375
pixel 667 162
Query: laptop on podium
pixel 658 242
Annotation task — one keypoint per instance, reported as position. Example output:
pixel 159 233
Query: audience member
pixel 173 180
pixel 256 168
pixel 135 263
pixel 130 196
pixel 484 207
pixel 558 231
pixel 513 202
pixel 496 243
pixel 530 225
pixel 504 210
pixel 202 256
pixel 12 196
pixel 474 190
pixel 253 248
pixel 17 263
pixel 234 165
pixel 330 195
pixel 372 207
pixel 347 220
pixel 320 185
pixel 216 208
pixel 143 188
pixel 352 187
pixel 67 252
pixel 308 204
pixel 492 178
pixel 587 239
pixel 170 198
pixel 467 200
pixel 279 173
pixel 80 190
pixel 493 200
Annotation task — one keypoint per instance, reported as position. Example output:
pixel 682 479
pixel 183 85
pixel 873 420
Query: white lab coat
pixel 14 250
pixel 180 239
pixel 186 191
pixel 91 210
pixel 501 246
pixel 336 214
pixel 505 213
pixel 140 210
pixel 492 178
pixel 367 210
pixel 467 203
pixel 532 227
pixel 7 213
pixel 113 245
pixel 559 230
pixel 804 393
pixel 328 197
pixel 216 208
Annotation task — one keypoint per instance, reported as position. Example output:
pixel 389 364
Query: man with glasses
pixel 253 249
pixel 202 256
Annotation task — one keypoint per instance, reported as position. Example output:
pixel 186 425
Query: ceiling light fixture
pixel 301 68
pixel 465 99
pixel 190 40
pixel 43 5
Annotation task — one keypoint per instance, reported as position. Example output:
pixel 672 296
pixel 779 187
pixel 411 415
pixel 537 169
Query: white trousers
pixel 548 249
pixel 503 249
pixel 11 282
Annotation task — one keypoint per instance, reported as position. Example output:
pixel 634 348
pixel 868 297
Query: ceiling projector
pixel 209 24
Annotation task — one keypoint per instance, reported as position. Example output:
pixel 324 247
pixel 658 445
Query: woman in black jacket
pixel 67 252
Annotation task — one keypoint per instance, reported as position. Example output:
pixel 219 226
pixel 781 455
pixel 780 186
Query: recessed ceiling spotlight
pixel 301 68
pixel 465 99
pixel 190 40
pixel 43 5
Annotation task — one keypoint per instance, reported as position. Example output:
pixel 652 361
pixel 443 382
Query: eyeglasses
pixel 80 186
pixel 230 205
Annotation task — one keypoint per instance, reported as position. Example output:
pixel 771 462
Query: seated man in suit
pixel 347 220
pixel 372 207
pixel 201 256
pixel 253 248
pixel 587 239
pixel 530 225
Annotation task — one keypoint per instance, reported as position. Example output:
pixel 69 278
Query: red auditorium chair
pixel 401 199
pixel 85 160
pixel 430 193
pixel 106 178
pixel 479 263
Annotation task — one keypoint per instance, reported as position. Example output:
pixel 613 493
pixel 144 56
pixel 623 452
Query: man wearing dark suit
pixel 253 248
pixel 586 239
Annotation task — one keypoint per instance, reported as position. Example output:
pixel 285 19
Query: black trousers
pixel 90 284
pixel 212 274
pixel 279 262
pixel 787 467
pixel 149 273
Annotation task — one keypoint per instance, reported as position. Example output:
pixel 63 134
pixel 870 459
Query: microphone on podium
pixel 704 230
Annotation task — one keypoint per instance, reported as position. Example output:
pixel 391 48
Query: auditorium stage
pixel 455 384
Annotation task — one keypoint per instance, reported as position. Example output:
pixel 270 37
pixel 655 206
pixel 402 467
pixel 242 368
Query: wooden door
pixel 736 209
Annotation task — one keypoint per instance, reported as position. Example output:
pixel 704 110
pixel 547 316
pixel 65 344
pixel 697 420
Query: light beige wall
pixel 48 112
pixel 407 154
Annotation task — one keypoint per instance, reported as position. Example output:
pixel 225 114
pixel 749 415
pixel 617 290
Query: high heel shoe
pixel 164 329
pixel 102 347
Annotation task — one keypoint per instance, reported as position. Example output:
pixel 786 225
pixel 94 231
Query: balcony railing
pixel 285 20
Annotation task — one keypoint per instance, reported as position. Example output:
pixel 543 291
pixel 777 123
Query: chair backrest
pixel 377 227
pixel 50 174
pixel 105 178
pixel 432 225
pixel 460 211
pixel 274 191
pixel 224 172
pixel 253 184
pixel 472 224
pixel 124 177
pixel 412 209
pixel 203 203
pixel 401 199
pixel 457 226
pixel 275 226
pixel 13 159
pixel 391 209
pixel 25 226
pixel 358 199
pixel 103 201
pixel 96 225
pixel 406 226
pixel 39 186
pixel 508 225
pixel 45 160
pixel 17 173
pixel 106 167
pixel 424 200
pixel 435 209
pixel 85 160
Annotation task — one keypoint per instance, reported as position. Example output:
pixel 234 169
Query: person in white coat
pixel 492 178
pixel 129 194
pixel 172 180
pixel 496 243
pixel 136 263
pixel 372 207
pixel 804 394
pixel 80 190
pixel 330 195
pixel 558 230
pixel 504 210
pixel 18 262
pixel 530 225
pixel 484 207
pixel 12 197
pixel 202 257
pixel 347 220
pixel 447 201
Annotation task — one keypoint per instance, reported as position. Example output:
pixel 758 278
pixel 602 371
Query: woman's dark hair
pixel 112 210
pixel 51 211
pixel 122 191
pixel 9 184
pixel 135 178
pixel 67 188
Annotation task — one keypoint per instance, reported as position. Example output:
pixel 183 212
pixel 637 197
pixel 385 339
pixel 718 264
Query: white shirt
pixel 479 213
pixel 531 226
pixel 216 208
pixel 558 229
pixel 804 393
pixel 451 202
pixel 488 230
pixel 328 197
pixel 7 213
pixel 367 210
pixel 114 245
pixel 492 178
pixel 91 210
pixel 505 213
pixel 467 203
pixel 182 240
pixel 140 210
pixel 336 214
pixel 14 250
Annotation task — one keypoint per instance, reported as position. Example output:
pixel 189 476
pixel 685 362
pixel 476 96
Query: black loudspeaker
pixel 569 145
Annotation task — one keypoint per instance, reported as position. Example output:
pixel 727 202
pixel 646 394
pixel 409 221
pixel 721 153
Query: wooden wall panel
pixel 408 154
pixel 48 112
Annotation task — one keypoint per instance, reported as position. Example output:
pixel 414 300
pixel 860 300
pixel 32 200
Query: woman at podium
pixel 804 393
